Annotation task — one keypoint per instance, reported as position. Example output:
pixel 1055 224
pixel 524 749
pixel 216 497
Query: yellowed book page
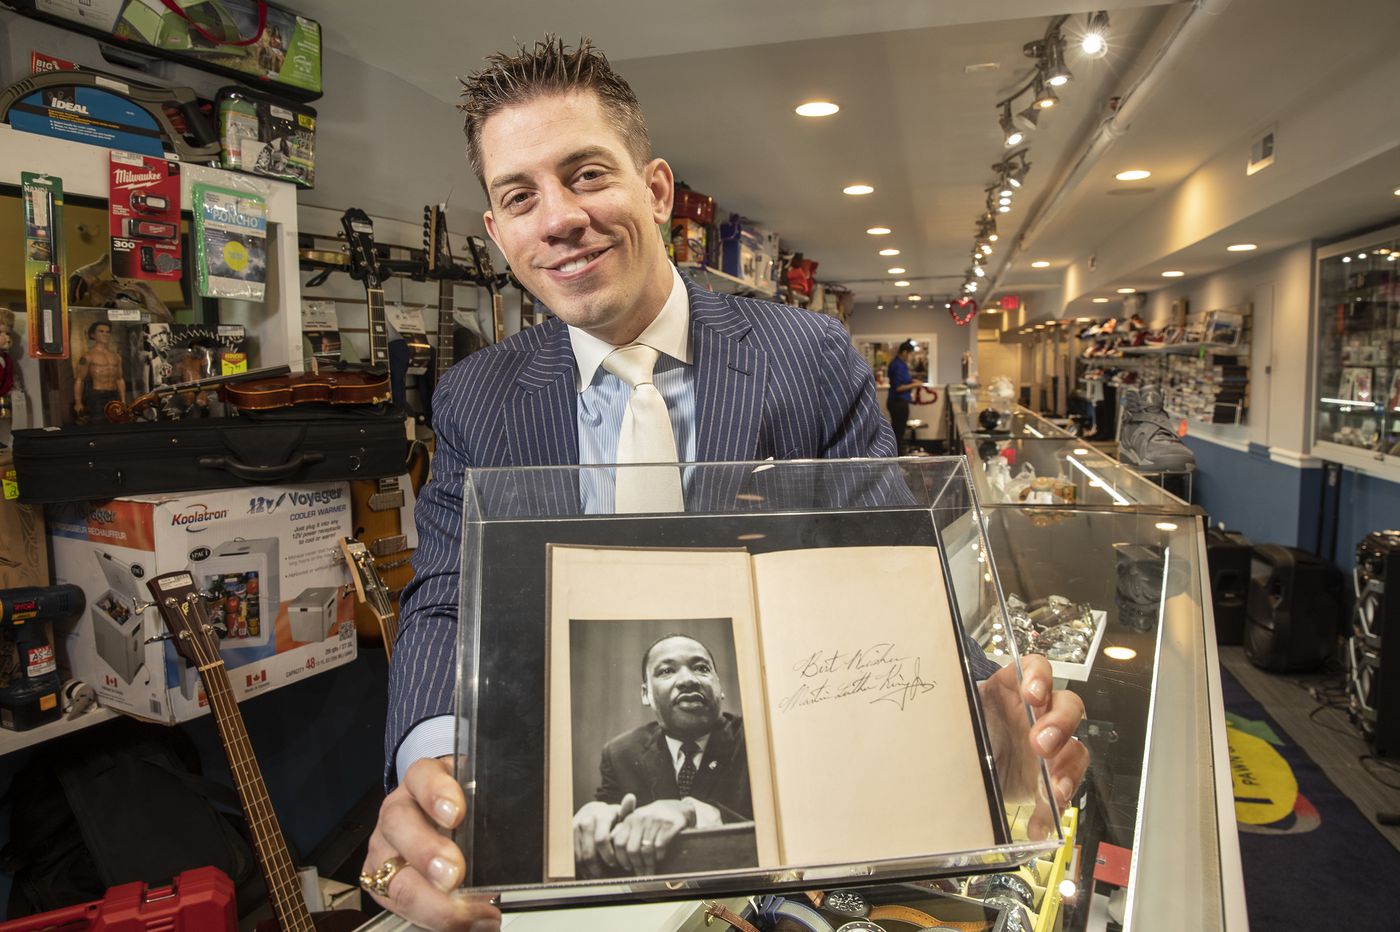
pixel 607 722
pixel 874 754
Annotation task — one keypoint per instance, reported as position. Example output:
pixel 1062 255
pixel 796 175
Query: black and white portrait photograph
pixel 660 766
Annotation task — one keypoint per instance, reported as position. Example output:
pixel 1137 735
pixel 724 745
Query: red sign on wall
pixel 1009 302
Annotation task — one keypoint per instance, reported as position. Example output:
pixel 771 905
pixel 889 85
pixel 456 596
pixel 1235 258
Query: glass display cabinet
pixel 1106 577
pixel 1356 381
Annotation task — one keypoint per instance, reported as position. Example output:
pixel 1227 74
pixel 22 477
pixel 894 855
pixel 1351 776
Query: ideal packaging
pixel 266 560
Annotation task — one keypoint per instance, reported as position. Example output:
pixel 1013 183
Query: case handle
pixel 179 11
pixel 261 473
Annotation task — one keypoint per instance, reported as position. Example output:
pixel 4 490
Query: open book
pixel 827 686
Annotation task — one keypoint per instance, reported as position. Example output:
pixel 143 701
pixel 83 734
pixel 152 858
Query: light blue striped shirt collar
pixel 669 333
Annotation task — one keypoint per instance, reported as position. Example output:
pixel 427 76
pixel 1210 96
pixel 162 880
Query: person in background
pixel 901 387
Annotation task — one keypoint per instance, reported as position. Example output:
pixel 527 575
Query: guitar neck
pixel 283 885
pixel 498 314
pixel 378 329
pixel 447 299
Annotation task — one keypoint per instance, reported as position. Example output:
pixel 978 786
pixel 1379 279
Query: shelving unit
pixel 11 741
pixel 1356 382
pixel 723 282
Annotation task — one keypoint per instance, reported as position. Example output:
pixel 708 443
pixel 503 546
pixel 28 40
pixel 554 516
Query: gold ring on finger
pixel 378 882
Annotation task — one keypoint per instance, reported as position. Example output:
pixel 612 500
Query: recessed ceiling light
pixel 1165 526
pixel 878 231
pixel 1100 300
pixel 901 284
pixel 879 307
pixel 1133 174
pixel 1040 264
pixel 897 270
pixel 857 189
pixel 1173 273
pixel 1082 320
pixel 1127 290
pixel 1119 653
pixel 817 108
pixel 1396 192
pixel 1346 258
pixel 916 297
pixel 889 252
pixel 1004 209
pixel 1242 247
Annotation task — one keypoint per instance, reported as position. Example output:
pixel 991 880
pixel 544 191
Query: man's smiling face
pixel 574 215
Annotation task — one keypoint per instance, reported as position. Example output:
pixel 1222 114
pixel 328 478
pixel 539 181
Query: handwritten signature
pixel 899 684
pixel 820 662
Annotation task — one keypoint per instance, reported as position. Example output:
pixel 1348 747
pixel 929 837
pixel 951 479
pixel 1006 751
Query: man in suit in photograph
pixel 559 143
pixel 688 768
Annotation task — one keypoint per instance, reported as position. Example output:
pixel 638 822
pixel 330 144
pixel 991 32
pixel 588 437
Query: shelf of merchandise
pixel 1185 349
pixel 716 280
pixel 11 741
pixel 1376 446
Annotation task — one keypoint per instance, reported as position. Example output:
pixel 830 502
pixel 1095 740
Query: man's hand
pixel 1019 747
pixel 593 825
pixel 409 821
pixel 640 838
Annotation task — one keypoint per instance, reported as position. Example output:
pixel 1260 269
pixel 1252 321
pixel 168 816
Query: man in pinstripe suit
pixel 559 143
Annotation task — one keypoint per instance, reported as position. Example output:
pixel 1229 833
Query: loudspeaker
pixel 1227 557
pixel 1374 709
pixel 1293 610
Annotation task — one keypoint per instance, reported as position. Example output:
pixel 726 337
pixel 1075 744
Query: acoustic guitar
pixel 196 640
pixel 375 512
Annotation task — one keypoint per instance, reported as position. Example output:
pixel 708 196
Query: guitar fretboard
pixel 447 295
pixel 378 329
pixel 283 885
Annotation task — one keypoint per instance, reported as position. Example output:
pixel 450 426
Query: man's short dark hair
pixel 646 654
pixel 908 345
pixel 551 67
pixel 92 328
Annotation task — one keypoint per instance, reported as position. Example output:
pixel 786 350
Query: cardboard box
pixel 24 555
pixel 246 549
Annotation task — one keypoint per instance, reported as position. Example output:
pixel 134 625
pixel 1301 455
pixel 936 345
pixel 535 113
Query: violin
pixel 327 386
pixel 124 412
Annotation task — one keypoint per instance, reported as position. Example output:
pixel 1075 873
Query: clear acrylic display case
pixel 1356 384
pixel 540 689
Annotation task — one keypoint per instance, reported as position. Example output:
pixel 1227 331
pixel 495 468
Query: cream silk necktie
pixel 646 437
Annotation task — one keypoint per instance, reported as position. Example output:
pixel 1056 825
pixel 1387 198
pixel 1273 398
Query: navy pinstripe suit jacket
pixel 770 381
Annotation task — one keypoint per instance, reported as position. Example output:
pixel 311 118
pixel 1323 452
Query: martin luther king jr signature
pixel 880 677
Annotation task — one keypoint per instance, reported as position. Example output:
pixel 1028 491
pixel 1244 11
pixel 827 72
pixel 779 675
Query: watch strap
pixel 772 908
pixel 922 920
pixel 720 911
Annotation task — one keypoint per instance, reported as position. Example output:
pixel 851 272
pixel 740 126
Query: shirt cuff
pixel 706 816
pixel 432 737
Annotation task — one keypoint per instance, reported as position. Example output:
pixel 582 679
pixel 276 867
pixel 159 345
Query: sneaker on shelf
pixel 1147 438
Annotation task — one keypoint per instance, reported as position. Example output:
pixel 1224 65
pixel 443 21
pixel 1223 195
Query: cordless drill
pixel 29 685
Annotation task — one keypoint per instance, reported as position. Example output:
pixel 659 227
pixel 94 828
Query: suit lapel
pixel 656 763
pixel 715 762
pixel 541 423
pixel 730 379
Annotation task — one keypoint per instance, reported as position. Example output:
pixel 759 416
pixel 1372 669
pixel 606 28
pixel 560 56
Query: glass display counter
pixel 979 413
pixel 1109 580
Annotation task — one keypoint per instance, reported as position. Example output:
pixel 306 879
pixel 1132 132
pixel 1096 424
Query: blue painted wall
pixel 1275 503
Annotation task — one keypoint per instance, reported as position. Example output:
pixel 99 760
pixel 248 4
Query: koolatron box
pixel 245 548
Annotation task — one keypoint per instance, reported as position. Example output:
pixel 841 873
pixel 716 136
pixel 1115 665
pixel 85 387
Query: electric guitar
pixel 371 590
pixel 364 265
pixel 375 513
pixel 443 266
pixel 481 255
pixel 196 640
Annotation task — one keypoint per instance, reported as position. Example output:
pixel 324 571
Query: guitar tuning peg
pixel 157 638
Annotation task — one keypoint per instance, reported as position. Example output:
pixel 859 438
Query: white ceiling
pixel 718 81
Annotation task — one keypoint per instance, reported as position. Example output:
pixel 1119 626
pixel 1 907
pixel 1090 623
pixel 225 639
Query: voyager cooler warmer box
pixel 244 558
pixel 121 642
pixel 312 614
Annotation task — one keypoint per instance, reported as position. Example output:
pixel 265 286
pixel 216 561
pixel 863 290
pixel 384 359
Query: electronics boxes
pixel 245 548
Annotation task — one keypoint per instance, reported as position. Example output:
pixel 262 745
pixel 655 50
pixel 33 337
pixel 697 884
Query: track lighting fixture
pixel 1028 118
pixel 1011 135
pixel 1044 95
pixel 1094 42
pixel 1052 62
